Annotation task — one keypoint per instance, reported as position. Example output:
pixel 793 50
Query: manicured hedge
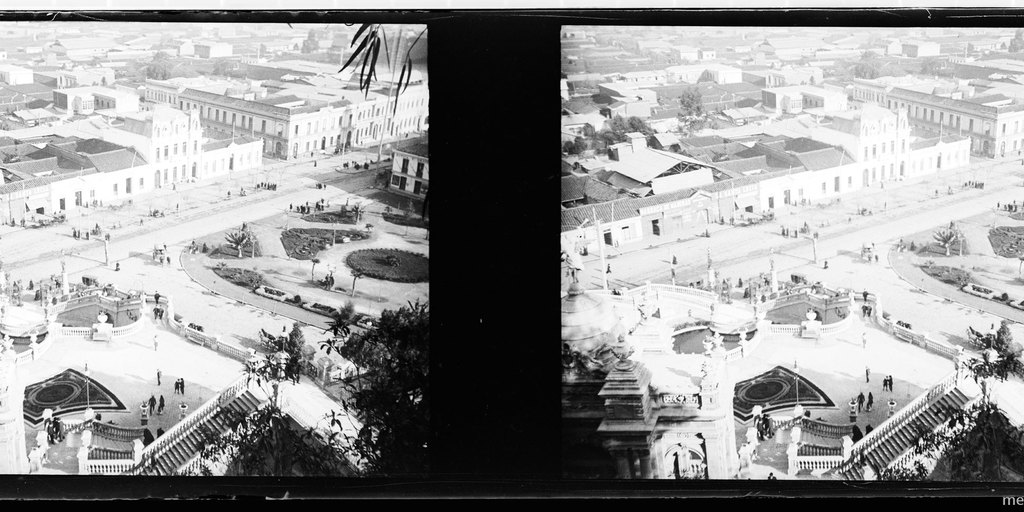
pixel 411 267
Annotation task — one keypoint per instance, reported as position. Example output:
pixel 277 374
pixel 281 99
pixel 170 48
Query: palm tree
pixel 237 239
pixel 946 239
pixel 311 272
pixel 341 319
pixel 355 276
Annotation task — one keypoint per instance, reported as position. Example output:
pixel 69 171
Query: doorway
pixel 656 227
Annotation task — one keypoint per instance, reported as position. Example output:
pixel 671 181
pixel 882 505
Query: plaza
pixel 812 339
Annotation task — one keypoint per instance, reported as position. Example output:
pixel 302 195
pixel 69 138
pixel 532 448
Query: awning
pixel 742 203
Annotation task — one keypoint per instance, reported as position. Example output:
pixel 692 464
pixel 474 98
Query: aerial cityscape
pixel 238 212
pixel 792 253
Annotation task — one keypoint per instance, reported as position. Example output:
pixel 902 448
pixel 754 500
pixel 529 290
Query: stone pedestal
pixel 83 460
pixel 791 453
pixel 137 448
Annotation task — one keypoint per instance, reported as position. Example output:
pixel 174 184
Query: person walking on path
pixel 158 374
pixel 152 404
pixel 860 401
pixel 864 340
pixel 156 298
pixel 155 345
pixel 182 385
pixel 609 269
pixel 865 295
pixel 160 405
pixel 176 382
pixel 867 374
pixel 871 401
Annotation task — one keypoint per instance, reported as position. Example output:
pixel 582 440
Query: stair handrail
pixel 901 418
pixel 183 428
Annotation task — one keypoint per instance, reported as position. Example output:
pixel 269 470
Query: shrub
pixel 913 246
pixel 297 299
pixel 1005 297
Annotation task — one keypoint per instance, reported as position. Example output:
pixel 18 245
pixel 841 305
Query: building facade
pixel 410 169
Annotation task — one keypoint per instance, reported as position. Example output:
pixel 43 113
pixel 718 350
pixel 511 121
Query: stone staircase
pixel 904 438
pixel 184 449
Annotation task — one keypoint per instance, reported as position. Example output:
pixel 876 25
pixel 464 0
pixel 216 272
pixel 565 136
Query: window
pixel 232 119
pixel 405 165
pixel 195 146
pixel 874 150
pixel 142 182
pixel 419 170
pixel 865 153
pixel 175 148
pixel 1004 128
pixel 166 150
pixel 970 125
pixel 115 188
pixel 394 180
pixel 823 189
pixel 263 126
pixel 296 129
pixel 849 181
pixel 892 146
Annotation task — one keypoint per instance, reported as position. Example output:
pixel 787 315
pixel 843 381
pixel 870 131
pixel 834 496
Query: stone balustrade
pixel 817 462
pixel 105 467
pixel 116 432
pixel 827 430
pixel 902 418
pixel 183 428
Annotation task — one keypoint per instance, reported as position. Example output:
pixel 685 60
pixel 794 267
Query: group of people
pixel 194 247
pixel 857 435
pixel 54 430
pixel 866 310
pixel 78 234
pixel 1010 207
pixel 158 313
pixel 154 406
pixel 764 427
pixel 861 402
pixel 267 186
pixel 887 383
pixel 975 184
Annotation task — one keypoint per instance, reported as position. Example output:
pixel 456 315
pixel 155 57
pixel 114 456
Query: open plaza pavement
pixel 129 369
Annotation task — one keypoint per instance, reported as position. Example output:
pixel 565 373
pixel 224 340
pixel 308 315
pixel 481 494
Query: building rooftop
pixel 417 146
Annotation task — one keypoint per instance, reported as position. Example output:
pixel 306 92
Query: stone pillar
pixel 645 464
pixel 847 447
pixel 791 453
pixel 794 435
pixel 623 467
pixel 853 410
pixel 137 448
pixel 83 461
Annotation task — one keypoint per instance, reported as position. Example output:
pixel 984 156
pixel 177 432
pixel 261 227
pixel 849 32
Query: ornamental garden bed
pixel 390 265
pixel 1007 241
pixel 240 276
pixel 305 243
pixel 951 275
pixel 316 307
pixel 337 217
pixel 272 293
pixel 403 220
pixel 980 291
pixel 1017 216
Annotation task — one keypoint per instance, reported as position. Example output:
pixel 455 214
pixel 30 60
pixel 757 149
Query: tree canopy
pixel 390 396
pixel 691 103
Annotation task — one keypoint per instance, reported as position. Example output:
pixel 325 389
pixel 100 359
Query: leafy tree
pixel 579 146
pixel 341 320
pixel 691 102
pixel 237 239
pixel 946 238
pixel 391 398
pixel 312 272
pixel 588 131
pixel 223 67
pixel 1017 43
pixel 639 125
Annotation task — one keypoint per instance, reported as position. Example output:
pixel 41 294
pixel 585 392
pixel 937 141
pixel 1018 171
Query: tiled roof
pixel 827 159
pixel 708 140
pixel 418 146
pixel 124 159
pixel 804 144
pixel 617 210
pixel 223 143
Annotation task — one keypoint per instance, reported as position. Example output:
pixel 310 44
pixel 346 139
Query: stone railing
pixel 910 455
pixel 76 332
pixel 901 418
pixel 73 426
pixel 826 430
pixel 817 450
pixel 107 467
pixel 106 454
pixel 923 340
pixel 183 428
pixel 130 329
pixel 838 327
pixel 818 462
pixel 784 329
pixel 117 433
pixel 785 422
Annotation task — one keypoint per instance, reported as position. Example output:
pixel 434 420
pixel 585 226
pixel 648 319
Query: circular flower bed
pixel 305 243
pixel 240 276
pixel 390 265
pixel 1007 241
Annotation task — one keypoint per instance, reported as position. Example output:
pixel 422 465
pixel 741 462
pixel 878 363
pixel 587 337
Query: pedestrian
pixel 871 401
pixel 158 374
pixel 860 401
pixel 864 340
pixel 865 295
pixel 867 374
pixel 177 385
pixel 155 344
pixel 826 264
pixel 876 258
pixel 674 260
pixel 182 385
pixel 152 404
pixel 160 406
pixel 609 269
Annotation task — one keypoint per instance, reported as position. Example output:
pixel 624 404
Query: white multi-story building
pixel 15 75
pixel 410 169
